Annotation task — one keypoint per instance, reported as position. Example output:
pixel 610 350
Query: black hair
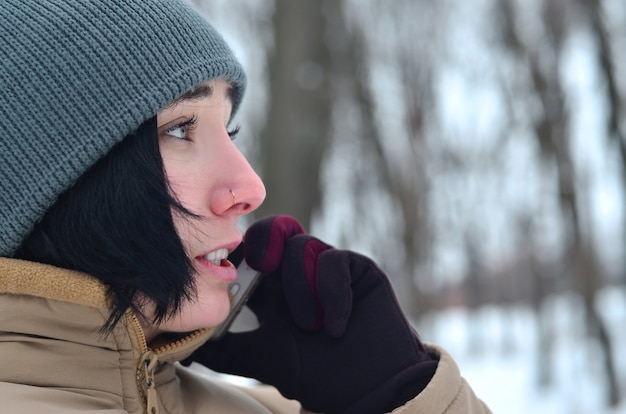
pixel 116 224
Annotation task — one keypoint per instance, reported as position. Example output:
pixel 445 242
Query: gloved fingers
pixel 233 354
pixel 318 283
pixel 345 278
pixel 268 354
pixel 334 290
pixel 265 240
pixel 299 276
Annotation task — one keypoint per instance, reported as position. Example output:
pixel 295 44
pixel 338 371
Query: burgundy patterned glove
pixel 331 333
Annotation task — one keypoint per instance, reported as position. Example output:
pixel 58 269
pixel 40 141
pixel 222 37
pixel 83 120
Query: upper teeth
pixel 216 256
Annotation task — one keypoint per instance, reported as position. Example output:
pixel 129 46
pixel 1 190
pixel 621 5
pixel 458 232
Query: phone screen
pixel 240 291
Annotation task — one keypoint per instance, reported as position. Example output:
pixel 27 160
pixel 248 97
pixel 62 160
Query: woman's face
pixel 210 177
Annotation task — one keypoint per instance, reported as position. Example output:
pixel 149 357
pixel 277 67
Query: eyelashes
pixel 182 130
pixel 191 123
pixel 232 133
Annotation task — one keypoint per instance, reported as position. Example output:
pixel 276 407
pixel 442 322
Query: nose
pixel 240 191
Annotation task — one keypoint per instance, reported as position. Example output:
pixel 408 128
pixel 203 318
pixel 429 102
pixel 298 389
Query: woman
pixel 120 191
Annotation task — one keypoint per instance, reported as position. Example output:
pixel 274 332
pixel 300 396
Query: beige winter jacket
pixel 53 360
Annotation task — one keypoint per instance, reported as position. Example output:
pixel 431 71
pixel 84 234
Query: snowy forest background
pixel 477 150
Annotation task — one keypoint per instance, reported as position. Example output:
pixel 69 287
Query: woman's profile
pixel 120 192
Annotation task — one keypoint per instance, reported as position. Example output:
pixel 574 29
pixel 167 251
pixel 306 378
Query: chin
pixel 210 315
pixel 214 320
pixel 209 311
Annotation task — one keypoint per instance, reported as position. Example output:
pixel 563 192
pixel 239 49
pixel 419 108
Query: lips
pixel 215 264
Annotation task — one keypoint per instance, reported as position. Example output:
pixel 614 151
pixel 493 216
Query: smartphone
pixel 240 291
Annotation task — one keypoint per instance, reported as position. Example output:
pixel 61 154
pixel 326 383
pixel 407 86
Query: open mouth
pixel 217 256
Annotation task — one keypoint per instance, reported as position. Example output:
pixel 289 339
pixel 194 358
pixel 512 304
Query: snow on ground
pixel 496 350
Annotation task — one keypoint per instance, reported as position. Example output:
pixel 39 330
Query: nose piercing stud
pixel 232 193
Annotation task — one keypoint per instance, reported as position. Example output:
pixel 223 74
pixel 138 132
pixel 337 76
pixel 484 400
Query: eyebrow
pixel 196 94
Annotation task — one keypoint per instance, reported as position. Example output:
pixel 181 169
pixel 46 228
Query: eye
pixel 182 130
pixel 232 133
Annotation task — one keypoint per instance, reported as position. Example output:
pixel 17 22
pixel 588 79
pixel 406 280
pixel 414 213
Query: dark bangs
pixel 116 224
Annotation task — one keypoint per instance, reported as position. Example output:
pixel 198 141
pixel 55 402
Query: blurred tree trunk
pixel 315 60
pixel 296 132
pixel 554 141
pixel 410 180
pixel 403 178
pixel 615 124
pixel 475 292
pixel 617 133
pixel 552 133
pixel 514 44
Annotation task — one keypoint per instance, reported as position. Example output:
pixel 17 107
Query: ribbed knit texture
pixel 77 76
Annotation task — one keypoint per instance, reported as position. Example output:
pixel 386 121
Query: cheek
pixel 181 185
pixel 183 192
pixel 191 184
pixel 212 294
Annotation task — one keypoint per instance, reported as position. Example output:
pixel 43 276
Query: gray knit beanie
pixel 77 76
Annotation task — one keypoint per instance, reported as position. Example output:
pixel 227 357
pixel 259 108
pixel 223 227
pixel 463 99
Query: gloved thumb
pixel 265 240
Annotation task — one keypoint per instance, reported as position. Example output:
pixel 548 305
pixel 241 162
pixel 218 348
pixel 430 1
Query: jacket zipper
pixel 149 362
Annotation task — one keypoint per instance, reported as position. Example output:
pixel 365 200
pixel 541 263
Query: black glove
pixel 331 333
